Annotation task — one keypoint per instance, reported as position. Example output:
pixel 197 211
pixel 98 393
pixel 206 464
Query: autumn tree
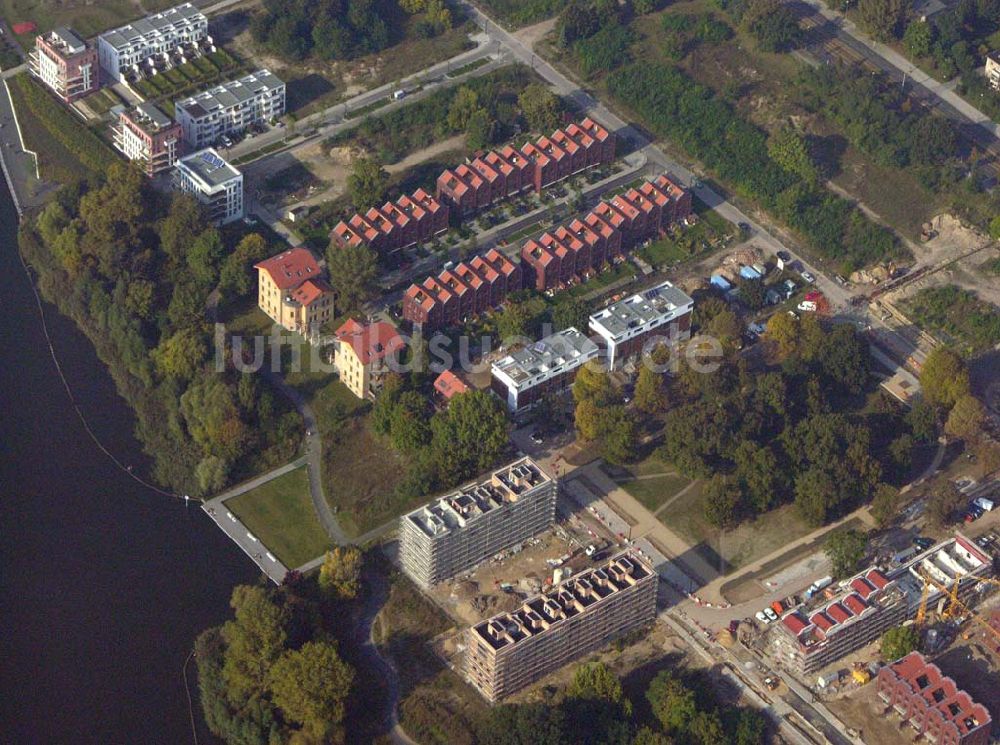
pixel 366 183
pixel 540 107
pixel 882 18
pixel 673 703
pixel 469 436
pixel 587 419
pixel 721 498
pixel 180 355
pixel 463 106
pixel 254 638
pixel 944 377
pixel 966 418
pixel 649 395
pixel 885 505
pixel 340 573
pixel 310 685
pixel 353 275
pixel 783 331
pixel 594 384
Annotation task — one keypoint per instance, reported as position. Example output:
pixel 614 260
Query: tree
pixel 706 728
pixel 945 500
pixel 721 500
pixel 672 702
pixel 310 685
pixel 899 641
pixel 237 276
pixel 772 24
pixel 944 377
pixel 523 724
pixel 759 474
pixel 366 183
pixel 843 357
pixel 882 18
pixel 885 505
pixel 751 727
pixel 540 107
pixel 788 148
pixel 594 384
pixel 353 275
pixel 620 435
pixel 596 680
pixel 570 312
pixel 966 418
pixel 480 130
pixel 463 106
pixel 180 355
pixel 517 321
pixel 340 573
pixel 469 436
pixel 254 639
pixel 923 422
pixel 994 228
pixel 649 396
pixel 205 256
pixel 846 550
pixel 212 473
pixel 783 331
pixel 587 420
pixel 918 38
pixel 409 427
pixel 815 494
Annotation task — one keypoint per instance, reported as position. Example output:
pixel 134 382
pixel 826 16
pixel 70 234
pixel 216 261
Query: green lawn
pixel 86 17
pixel 654 492
pixel 280 513
pixel 958 316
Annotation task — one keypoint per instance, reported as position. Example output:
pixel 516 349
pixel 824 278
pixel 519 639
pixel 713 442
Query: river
pixel 104 584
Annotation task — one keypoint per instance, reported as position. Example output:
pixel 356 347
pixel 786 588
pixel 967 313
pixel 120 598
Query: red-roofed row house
pixel 610 230
pixel 464 291
pixel 394 226
pixel 932 703
pixel 292 291
pixel 499 174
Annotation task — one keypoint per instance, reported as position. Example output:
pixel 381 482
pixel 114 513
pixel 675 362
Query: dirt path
pixel 431 151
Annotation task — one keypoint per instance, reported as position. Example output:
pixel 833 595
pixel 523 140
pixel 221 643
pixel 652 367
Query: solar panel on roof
pixel 213 160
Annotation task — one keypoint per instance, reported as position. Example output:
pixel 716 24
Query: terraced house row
pixel 500 174
pixel 570 252
pixel 394 226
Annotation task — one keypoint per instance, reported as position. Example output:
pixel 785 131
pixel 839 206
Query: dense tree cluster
pixel 675 106
pixel 899 641
pixel 273 672
pixel 134 270
pixel 846 550
pixel 601 414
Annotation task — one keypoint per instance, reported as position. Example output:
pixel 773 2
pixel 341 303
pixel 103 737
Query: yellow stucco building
pixel 362 355
pixel 293 293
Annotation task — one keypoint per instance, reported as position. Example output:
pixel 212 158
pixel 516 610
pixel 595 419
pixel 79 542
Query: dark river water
pixel 104 584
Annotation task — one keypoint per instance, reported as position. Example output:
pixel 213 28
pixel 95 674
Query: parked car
pixel 808 277
pixel 784 255
pixel 771 615
pixel 759 615
pixel 536 438
pixel 923 543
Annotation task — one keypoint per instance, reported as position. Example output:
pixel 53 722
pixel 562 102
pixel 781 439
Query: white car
pixel 771 615
pixel 808 277
pixel 762 618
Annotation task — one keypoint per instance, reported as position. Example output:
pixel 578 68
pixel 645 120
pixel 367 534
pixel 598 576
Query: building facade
pixel 362 355
pixel 523 377
pixel 626 327
pixel 230 108
pixel 125 48
pixel 149 137
pixel 577 616
pixel 931 703
pixel 292 292
pixel 65 63
pixel 457 531
pixel 993 70
pixel 394 226
pixel 829 627
pixel 213 182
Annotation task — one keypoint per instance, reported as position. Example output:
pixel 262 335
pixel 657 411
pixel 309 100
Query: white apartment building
pixel 64 62
pixel 230 107
pixel 627 326
pixel 124 48
pixel 213 182
pixel 461 529
pixel 148 137
pixel 521 378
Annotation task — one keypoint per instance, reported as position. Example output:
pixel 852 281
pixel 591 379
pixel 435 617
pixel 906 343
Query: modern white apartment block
pixel 149 137
pixel 522 377
pixel 627 326
pixel 459 530
pixel 123 49
pixel 64 62
pixel 213 182
pixel 575 617
pixel 230 108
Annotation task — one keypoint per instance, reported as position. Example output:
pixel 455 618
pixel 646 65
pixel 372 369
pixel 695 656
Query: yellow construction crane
pixel 922 608
pixel 955 606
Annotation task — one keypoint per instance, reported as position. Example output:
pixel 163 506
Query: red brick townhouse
pixel 497 175
pixel 468 289
pixel 394 226
pixel 65 63
pixel 610 229
pixel 932 703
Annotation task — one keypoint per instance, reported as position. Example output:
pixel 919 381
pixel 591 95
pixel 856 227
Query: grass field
pixel 86 17
pixel 958 316
pixel 654 491
pixel 280 513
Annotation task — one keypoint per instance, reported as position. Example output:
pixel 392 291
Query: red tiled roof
pixel 421 297
pixel 310 291
pixel 855 604
pixel 290 268
pixel 484 268
pixel 822 621
pixel 795 622
pixel 877 578
pixel 837 612
pixel 371 342
pixel 863 587
pixel 448 384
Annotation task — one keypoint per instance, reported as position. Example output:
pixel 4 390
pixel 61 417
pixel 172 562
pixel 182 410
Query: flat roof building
pixel 509 651
pixel 932 703
pixel 65 63
pixel 124 48
pixel 523 377
pixel 213 182
pixel 230 107
pixel 459 530
pixel 829 627
pixel 149 137
pixel 663 311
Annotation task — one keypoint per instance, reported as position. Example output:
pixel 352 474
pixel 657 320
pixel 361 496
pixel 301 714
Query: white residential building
pixel 230 107
pixel 148 137
pixel 64 62
pixel 121 49
pixel 525 376
pixel 213 182
pixel 661 312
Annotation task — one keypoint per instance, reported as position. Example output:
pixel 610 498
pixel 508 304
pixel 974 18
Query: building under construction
pixel 577 616
pixel 459 530
pixel 858 612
